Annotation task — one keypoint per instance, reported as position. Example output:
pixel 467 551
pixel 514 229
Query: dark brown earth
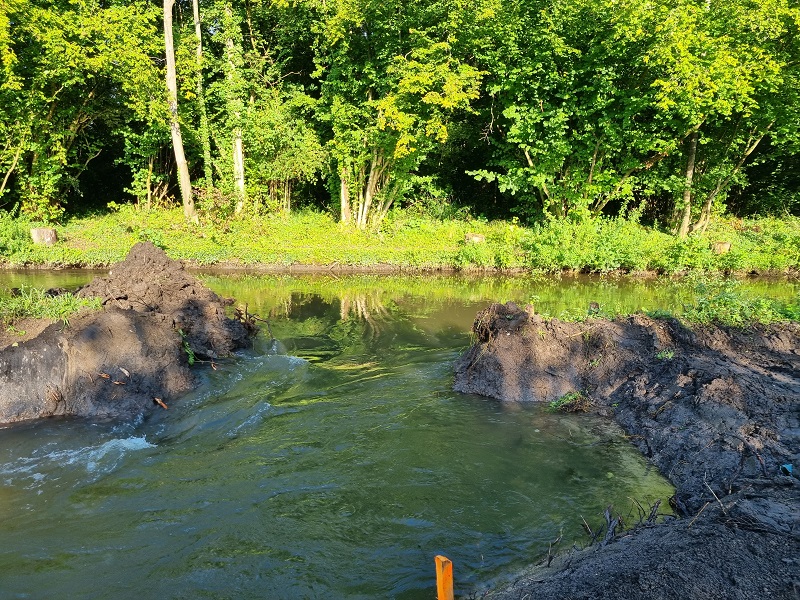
pixel 115 362
pixel 717 410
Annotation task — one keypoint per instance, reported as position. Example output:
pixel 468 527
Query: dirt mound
pixel 715 409
pixel 148 281
pixel 117 361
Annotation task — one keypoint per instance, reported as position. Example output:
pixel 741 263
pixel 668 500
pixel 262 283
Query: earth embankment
pixel 717 410
pixel 116 362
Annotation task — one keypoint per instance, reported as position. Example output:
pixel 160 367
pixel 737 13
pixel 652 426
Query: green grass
pixel 708 299
pixel 703 298
pixel 36 304
pixel 765 245
pixel 571 402
pixel 721 301
pixel 409 241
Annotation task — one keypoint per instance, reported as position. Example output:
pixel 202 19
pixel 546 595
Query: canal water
pixel 331 462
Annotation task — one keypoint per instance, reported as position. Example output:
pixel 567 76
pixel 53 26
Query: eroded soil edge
pixel 716 410
pixel 114 362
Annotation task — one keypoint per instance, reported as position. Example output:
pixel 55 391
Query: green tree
pixel 597 102
pixel 76 74
pixel 8 58
pixel 184 180
pixel 204 131
pixel 392 76
pixel 284 149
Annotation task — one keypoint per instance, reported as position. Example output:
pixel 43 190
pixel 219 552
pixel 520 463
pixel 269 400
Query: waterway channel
pixel 331 462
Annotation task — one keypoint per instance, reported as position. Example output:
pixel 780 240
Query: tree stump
pixel 44 235
pixel 720 247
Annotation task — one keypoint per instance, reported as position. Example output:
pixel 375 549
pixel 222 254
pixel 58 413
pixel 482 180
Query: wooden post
pixel 444 578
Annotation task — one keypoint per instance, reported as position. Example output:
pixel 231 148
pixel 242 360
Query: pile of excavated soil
pixel 717 410
pixel 149 282
pixel 117 361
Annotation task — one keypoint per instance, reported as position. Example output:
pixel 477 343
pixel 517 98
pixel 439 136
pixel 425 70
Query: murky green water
pixel 335 465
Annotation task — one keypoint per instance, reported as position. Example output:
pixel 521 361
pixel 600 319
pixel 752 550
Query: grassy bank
pixel 410 242
pixel 32 303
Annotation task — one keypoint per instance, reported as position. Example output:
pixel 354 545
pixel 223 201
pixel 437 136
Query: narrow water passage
pixel 334 464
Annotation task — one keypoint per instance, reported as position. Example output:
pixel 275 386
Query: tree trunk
pixel 344 199
pixel 705 214
pixel 238 168
pixel 287 196
pixel 205 136
pixel 371 189
pixel 686 219
pixel 544 192
pixel 234 106
pixel 184 181
pixel 591 169
pixel 389 196
pixel 149 182
pixel 17 154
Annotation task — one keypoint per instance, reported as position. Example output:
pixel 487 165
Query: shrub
pixel 721 301
pixel 15 234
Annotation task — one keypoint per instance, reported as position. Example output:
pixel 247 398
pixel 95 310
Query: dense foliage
pixel 607 113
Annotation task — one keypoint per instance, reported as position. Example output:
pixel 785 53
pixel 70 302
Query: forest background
pixel 582 134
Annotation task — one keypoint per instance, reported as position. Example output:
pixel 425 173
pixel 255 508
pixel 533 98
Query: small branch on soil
pixel 724 511
pixel 589 531
pixel 654 512
pixel 583 332
pixel 698 514
pixel 651 512
pixel 211 363
pixel 639 507
pixel 555 542
pixel 249 320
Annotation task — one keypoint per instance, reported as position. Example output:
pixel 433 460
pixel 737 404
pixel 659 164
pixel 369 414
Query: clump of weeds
pixel 572 402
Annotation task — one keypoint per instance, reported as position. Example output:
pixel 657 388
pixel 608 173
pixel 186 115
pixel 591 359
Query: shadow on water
pixel 335 464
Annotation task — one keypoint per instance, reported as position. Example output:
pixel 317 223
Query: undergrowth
pixel 702 298
pixel 717 300
pixel 408 239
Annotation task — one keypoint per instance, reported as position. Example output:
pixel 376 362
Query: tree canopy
pixel 666 110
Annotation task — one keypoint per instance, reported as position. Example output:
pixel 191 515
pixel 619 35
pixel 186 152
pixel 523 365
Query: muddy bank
pixel 115 362
pixel 716 410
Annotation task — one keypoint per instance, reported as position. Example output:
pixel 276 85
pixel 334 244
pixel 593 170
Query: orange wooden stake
pixel 444 578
